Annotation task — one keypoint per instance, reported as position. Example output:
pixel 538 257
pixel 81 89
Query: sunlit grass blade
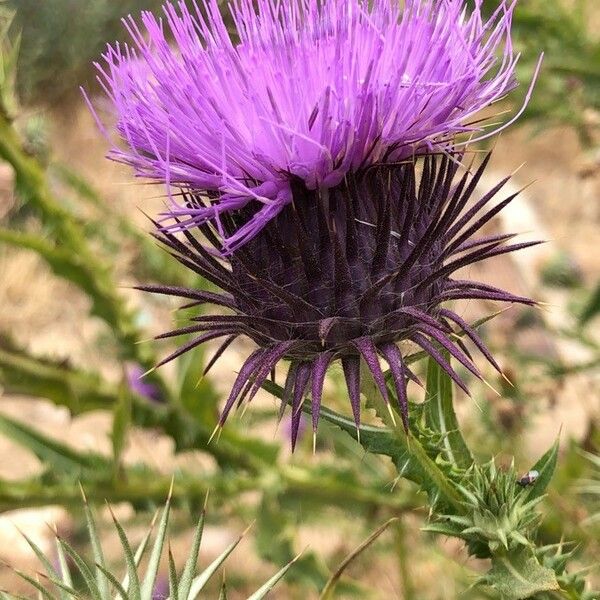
pixel 173 583
pixel 96 549
pixel 46 595
pixel 133 584
pixel 187 576
pixel 7 596
pixel 113 580
pixel 139 553
pixel 153 564
pixel 82 567
pixel 50 570
pixel 262 591
pixel 65 572
pixel 201 580
pixel 223 593
pixel 66 591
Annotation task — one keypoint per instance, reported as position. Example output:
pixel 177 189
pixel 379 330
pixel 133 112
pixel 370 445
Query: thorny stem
pixel 411 444
pixel 32 183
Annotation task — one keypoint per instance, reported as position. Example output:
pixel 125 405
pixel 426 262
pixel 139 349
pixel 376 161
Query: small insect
pixel 528 479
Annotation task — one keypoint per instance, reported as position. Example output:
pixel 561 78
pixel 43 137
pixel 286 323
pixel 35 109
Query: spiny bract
pixel 346 274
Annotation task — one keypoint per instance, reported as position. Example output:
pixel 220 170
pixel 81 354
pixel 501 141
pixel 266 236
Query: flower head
pixel 307 92
pixel 318 150
pixel 345 274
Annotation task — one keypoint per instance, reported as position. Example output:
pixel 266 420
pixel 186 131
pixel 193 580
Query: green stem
pixel 89 272
pixel 408 590
pixel 412 445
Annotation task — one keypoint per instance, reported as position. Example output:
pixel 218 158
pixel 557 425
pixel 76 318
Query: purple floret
pixel 311 91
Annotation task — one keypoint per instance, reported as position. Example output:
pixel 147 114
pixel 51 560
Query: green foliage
pixel 57 51
pixel 79 240
pixel 563 30
pixel 518 575
pixel 499 515
pixel 61 38
pixel 101 583
pixel 592 307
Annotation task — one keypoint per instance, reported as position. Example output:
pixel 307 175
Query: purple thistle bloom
pixel 320 154
pixel 313 91
pixel 345 274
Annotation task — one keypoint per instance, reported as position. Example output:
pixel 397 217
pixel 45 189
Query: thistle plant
pixel 101 583
pixel 318 164
pixel 319 177
pixel 324 202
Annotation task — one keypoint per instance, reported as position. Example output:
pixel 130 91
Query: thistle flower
pixel 345 274
pixel 319 180
pixel 312 91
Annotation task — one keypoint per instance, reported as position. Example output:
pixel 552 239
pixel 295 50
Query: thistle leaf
pixel 223 594
pixel 133 584
pixel 518 575
pixel 85 571
pixel 50 570
pixel 64 565
pixel 187 576
pixel 96 549
pixel 139 553
pixel 173 582
pixel 113 580
pixel 36 584
pixel 440 416
pixel 153 564
pixel 271 583
pixel 201 580
pixel 545 466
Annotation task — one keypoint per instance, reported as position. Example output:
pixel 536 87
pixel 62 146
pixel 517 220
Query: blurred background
pixel 73 339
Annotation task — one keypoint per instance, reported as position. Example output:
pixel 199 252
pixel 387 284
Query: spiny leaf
pixel 85 571
pixel 133 584
pixel 518 575
pixel 96 549
pixel 187 576
pixel 139 553
pixel 113 580
pixel 200 581
pixel 271 583
pixel 440 415
pixel 545 466
pixel 173 582
pixel 36 584
pixel 50 570
pixel 64 566
pixel 223 593
pixel 154 562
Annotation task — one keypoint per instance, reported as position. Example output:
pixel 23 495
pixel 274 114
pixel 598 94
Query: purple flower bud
pixel 344 274
pixel 161 589
pixel 136 383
